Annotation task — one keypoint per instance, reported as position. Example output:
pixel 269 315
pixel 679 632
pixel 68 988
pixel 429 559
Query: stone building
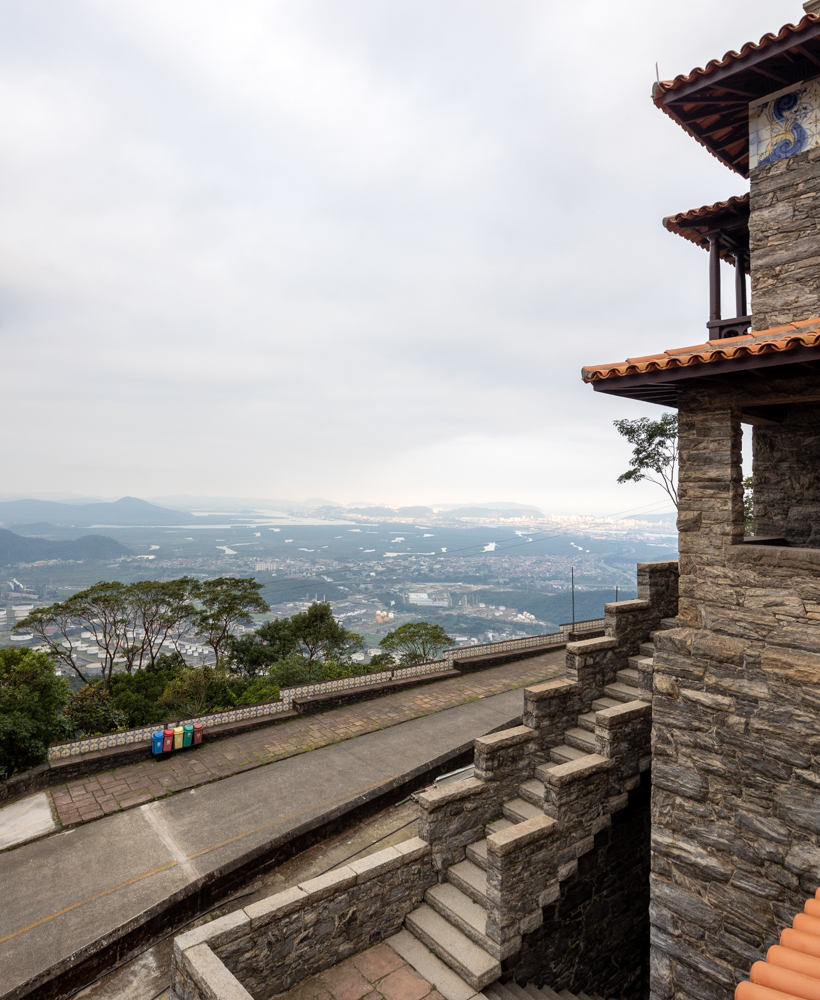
pixel 535 871
pixel 736 708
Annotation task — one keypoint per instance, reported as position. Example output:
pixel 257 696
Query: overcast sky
pixel 357 249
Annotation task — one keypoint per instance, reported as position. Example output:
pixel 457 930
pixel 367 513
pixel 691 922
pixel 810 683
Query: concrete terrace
pixel 135 784
pixel 67 895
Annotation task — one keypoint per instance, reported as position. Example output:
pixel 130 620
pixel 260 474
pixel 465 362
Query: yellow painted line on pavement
pixel 82 902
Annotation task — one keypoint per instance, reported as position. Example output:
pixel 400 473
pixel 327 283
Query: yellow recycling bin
pixel 179 733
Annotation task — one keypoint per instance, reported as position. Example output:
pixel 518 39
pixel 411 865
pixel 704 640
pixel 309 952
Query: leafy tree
pixel 103 610
pixel 31 699
pixel 381 661
pixel 226 602
pixel 260 691
pixel 196 691
pixel 416 642
pixel 655 452
pixel 748 505
pixel 137 695
pixel 91 711
pixel 160 611
pixel 319 636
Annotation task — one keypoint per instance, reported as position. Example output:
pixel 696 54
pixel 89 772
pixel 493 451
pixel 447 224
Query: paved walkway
pixel 135 784
pixel 66 894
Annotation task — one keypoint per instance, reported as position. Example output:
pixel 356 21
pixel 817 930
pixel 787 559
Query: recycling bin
pixel 179 733
pixel 188 735
pixel 167 740
pixel 197 733
pixel 156 741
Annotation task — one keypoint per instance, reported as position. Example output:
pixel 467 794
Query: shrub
pixel 260 691
pixel 196 691
pixel 91 712
pixel 31 697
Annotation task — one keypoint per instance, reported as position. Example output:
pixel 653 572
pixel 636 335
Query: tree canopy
pixel 655 452
pixel 416 642
pixel 32 697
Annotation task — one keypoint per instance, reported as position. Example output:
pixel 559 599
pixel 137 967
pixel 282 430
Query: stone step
pixel 564 754
pixel 669 623
pixel 519 810
pixel 587 722
pixel 622 692
pixel 601 703
pixel 631 677
pixel 641 664
pixel 566 995
pixel 428 965
pixel 647 649
pixel 581 739
pixel 471 879
pixel 583 996
pixel 470 918
pixel 453 947
pixel 533 792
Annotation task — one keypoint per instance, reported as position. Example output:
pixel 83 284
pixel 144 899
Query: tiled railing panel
pixel 129 736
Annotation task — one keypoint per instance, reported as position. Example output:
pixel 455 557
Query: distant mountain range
pixel 455 514
pixel 127 511
pixel 15 549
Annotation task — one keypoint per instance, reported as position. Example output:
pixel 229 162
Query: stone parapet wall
pixel 784 241
pixel 273 944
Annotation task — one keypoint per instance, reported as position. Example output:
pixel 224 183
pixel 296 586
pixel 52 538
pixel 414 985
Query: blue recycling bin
pixel 156 742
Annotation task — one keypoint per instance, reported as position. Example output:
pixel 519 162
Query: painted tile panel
pixel 787 124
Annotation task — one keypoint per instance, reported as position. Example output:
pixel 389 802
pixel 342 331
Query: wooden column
pixel 740 283
pixel 714 276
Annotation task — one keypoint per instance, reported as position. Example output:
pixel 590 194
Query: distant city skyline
pixel 309 249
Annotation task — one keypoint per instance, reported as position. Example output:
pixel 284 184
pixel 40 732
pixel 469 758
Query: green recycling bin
pixel 188 735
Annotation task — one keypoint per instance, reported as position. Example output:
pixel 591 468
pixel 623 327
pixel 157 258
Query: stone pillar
pixel 710 494
pixel 784 241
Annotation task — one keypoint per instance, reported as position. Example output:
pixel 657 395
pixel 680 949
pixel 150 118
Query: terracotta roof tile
pixel 781 339
pixel 792 968
pixel 711 103
pixel 694 224
pixel 735 57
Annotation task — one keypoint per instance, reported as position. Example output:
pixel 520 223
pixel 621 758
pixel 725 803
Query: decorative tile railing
pixel 123 738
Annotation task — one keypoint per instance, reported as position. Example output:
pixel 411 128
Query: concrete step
pixel 471 879
pixel 519 810
pixel 631 677
pixel 477 853
pixel 587 722
pixel 517 991
pixel 566 995
pixel 470 918
pixel 548 993
pixel 647 649
pixel 497 992
pixel 449 984
pixel 601 703
pixel 581 739
pixel 453 947
pixel 564 754
pixel 498 825
pixel 533 792
pixel 583 996
pixel 622 693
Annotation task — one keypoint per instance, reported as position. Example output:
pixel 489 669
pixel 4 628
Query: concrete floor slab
pixel 25 820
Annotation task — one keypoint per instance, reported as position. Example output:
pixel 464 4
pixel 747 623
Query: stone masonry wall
pixel 275 943
pixel 787 476
pixel 736 726
pixel 785 241
pixel 595 935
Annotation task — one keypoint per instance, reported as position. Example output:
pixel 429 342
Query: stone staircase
pixel 512 991
pixel 452 920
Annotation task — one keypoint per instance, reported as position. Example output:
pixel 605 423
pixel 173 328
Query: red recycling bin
pixel 167 740
pixel 197 733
